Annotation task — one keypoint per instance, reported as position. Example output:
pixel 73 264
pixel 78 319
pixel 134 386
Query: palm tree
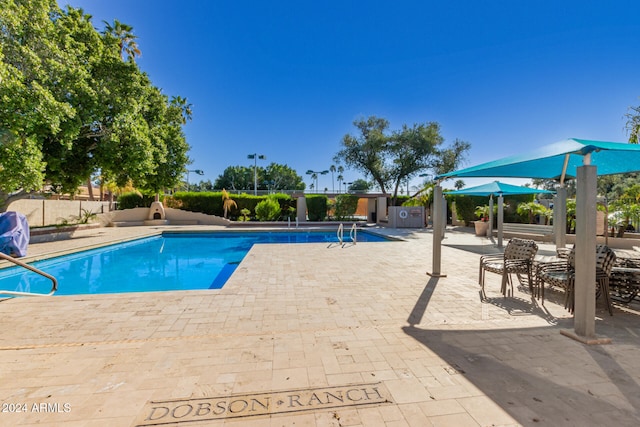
pixel 126 40
pixel 227 202
pixel 332 168
pixel 340 179
pixel 184 107
pixel 531 209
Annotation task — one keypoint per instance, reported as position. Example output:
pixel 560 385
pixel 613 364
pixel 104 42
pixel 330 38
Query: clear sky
pixel 287 78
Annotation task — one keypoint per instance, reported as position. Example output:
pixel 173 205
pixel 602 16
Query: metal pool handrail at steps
pixel 11 259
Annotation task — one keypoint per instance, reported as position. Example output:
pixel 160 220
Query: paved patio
pixel 310 335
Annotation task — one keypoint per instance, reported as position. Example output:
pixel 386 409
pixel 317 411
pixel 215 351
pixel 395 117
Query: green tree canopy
pixel 393 157
pixel 72 107
pixel 282 177
pixel 275 176
pixel 236 178
pixel 360 185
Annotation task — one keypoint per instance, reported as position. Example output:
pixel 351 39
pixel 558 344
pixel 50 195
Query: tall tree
pixel 123 33
pixel 633 124
pixel 361 185
pixel 391 158
pixel 332 169
pixel 275 177
pixel 29 107
pixel 236 178
pixel 282 177
pixel 71 107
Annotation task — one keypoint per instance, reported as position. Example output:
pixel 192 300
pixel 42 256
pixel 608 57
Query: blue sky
pixel 287 78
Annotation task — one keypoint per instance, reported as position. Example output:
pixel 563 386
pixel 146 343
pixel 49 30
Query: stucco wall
pixel 40 212
pixel 137 216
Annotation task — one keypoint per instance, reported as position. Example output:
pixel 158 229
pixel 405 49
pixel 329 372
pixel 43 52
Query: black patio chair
pixel 562 274
pixel 517 259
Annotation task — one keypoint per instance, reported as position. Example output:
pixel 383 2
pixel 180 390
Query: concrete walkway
pixel 310 335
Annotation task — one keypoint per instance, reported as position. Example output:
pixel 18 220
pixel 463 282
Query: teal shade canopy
pixel 548 161
pixel 496 188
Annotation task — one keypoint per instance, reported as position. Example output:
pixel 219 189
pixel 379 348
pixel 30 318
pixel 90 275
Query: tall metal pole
pixel 255 157
pixel 500 218
pixel 255 174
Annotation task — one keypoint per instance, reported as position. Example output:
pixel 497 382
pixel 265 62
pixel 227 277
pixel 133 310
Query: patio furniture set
pixel 617 277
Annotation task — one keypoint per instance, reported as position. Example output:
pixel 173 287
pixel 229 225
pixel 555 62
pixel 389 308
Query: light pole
pixel 310 172
pixel 198 171
pixel 255 157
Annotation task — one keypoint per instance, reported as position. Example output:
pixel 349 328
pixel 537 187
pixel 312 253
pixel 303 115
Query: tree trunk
pixel 90 189
pixel 5 199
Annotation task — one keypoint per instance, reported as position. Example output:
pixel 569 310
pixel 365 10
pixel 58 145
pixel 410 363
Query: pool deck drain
pixel 307 319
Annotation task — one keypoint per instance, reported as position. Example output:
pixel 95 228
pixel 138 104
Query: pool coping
pixel 160 231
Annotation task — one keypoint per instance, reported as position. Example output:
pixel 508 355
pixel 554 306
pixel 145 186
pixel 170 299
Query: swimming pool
pixel 171 261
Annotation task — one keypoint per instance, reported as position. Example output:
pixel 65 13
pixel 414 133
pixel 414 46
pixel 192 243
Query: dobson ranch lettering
pixel 189 410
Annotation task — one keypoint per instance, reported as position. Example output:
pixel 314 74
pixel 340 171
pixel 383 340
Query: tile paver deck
pixel 306 320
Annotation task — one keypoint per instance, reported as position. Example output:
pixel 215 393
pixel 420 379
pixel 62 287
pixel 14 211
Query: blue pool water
pixel 172 261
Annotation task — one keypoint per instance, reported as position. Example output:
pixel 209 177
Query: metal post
pixel 490 227
pixel 500 219
pixel 255 157
pixel 255 174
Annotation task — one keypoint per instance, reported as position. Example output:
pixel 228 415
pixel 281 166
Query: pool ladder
pixel 54 286
pixel 353 234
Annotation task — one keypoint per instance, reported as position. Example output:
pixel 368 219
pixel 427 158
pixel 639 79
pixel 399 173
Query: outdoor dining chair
pixel 517 259
pixel 562 274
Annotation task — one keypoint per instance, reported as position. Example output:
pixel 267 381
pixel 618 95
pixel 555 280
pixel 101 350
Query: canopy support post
pixel 560 217
pixel 500 218
pixel 438 227
pixel 585 271
pixel 490 227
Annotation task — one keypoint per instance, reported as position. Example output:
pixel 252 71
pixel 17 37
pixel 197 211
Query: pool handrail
pixel 353 233
pixel 340 233
pixel 54 286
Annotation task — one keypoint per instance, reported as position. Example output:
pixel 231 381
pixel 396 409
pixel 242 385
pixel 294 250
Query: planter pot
pixel 481 227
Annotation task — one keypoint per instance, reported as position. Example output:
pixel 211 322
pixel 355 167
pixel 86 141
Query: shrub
pixel 346 206
pixel 413 202
pixel 466 206
pixel 209 203
pixel 244 215
pixel 400 200
pixel 317 207
pixel 268 210
pixel 134 200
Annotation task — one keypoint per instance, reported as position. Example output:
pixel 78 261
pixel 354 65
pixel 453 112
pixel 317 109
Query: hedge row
pixel 317 207
pixel 466 206
pixel 211 203
pixel 134 200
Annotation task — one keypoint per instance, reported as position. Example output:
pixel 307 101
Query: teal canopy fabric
pixel 548 162
pixel 495 188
